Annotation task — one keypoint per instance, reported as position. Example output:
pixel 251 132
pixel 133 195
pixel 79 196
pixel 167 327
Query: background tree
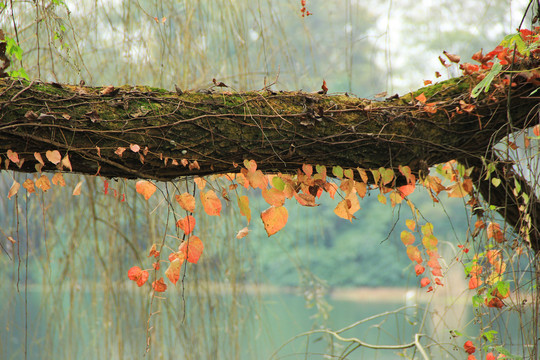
pixel 166 50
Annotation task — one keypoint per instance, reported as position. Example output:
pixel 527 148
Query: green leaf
pixel 278 183
pixel 489 335
pixel 486 82
pixel 338 172
pixel 477 300
pixel 503 287
pixel 502 350
pixel 496 182
pixel 13 48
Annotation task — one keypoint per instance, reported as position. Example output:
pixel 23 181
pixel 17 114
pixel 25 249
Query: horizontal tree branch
pixel 170 134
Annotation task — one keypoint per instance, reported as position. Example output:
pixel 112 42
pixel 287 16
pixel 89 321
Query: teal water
pixel 79 324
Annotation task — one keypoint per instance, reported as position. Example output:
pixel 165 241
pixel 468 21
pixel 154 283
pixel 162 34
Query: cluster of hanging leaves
pixel 348 185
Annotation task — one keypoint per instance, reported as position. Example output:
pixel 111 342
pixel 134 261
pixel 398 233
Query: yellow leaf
pixel 407 238
pixel 243 204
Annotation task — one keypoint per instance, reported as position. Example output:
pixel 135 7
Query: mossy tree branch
pixel 279 130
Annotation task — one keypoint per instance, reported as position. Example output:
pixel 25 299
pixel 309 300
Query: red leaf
pixel 419 269
pixel 192 248
pixel 425 282
pixel 159 286
pixel 186 224
pixel 138 275
pixel 469 347
pixel 324 87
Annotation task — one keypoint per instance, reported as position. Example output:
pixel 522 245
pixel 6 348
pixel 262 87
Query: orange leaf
pixel 453 58
pixel 273 196
pixel 66 162
pixel 153 251
pixel 347 207
pixel 120 151
pixel 43 183
pixel 411 224
pixel 474 282
pixel 53 156
pixel 243 204
pixel 134 147
pixel 211 203
pixel 14 189
pixel 421 98
pixel 173 271
pixel 536 130
pixel 307 169
pixel 192 248
pixel 145 188
pixel 77 189
pixel 201 183
pixel 425 282
pixel 419 269
pixel 494 231
pixel 407 238
pixel 242 233
pixel 186 201
pixel 28 184
pixel 13 156
pixel 159 286
pixel 305 199
pixel 414 254
pixel 58 179
pixel 274 219
pixel 361 188
pixel 186 224
pixel 39 158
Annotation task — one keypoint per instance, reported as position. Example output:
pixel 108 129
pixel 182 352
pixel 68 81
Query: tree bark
pixel 280 131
